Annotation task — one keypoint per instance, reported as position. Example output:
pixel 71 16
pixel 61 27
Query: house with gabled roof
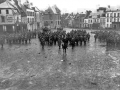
pixel 9 16
pixel 23 14
pixel 31 26
pixel 52 17
pixel 76 21
pixel 86 19
pixel 70 19
pixel 38 18
pixel 79 20
pixel 64 21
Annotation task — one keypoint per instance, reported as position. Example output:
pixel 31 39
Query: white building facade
pixel 108 20
pixel 9 17
pixel 86 24
pixel 30 20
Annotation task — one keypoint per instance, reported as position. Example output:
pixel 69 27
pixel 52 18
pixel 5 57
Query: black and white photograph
pixel 59 45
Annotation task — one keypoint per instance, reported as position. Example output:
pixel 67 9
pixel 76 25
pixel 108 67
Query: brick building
pixel 52 17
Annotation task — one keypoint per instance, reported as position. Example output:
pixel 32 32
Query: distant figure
pixel 73 43
pixel 88 37
pixel 95 37
pixel 59 43
pixel 42 43
pixel 64 47
pixel 2 41
pixel 65 44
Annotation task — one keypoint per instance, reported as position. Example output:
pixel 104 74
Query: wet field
pixel 29 67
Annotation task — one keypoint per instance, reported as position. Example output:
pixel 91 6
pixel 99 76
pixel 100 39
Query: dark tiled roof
pixel 90 16
pixel 23 12
pixel 21 8
pixel 102 8
pixel 103 15
pixel 87 14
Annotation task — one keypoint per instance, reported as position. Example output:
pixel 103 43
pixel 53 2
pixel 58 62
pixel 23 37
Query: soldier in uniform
pixel 42 42
pixel 81 40
pixel 84 39
pixel 65 44
pixel 88 37
pixel 2 41
pixel 95 37
pixel 59 42
pixel 73 43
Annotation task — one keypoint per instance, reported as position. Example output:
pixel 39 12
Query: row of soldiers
pixel 17 38
pixel 110 37
pixel 73 38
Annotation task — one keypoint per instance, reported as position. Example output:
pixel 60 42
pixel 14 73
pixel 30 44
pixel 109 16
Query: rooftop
pixel 5 5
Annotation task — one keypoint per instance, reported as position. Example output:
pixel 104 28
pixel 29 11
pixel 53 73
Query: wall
pixel 108 21
pixel 53 20
pixel 9 18
pixel 30 20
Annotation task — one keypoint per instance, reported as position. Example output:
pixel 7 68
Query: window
pixel 7 11
pixel 33 13
pixel 107 19
pixel 30 14
pixel 98 20
pixel 111 15
pixel 3 18
pixel 28 20
pixel 107 25
pixel 108 15
pixel 89 21
pixel 110 19
pixel 118 14
pixel 117 19
pixel 114 19
pixel 114 14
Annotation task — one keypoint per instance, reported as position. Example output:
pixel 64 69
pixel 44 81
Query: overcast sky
pixel 74 5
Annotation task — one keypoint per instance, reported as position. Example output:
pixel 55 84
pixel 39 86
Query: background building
pixel 52 17
pixel 9 17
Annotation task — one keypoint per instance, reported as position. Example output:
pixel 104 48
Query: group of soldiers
pixel 63 39
pixel 60 38
pixel 17 38
pixel 110 37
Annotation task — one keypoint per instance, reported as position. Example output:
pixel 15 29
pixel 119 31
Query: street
pixel 29 67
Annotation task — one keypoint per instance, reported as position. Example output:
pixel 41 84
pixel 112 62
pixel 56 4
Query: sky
pixel 73 5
